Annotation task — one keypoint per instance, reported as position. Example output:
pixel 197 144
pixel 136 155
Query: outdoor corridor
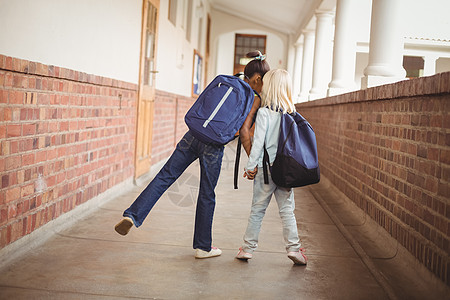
pixel 349 257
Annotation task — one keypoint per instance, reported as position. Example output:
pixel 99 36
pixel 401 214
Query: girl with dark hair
pixel 210 156
pixel 254 72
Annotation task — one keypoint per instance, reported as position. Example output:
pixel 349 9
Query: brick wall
pixel 65 137
pixel 168 125
pixel 388 150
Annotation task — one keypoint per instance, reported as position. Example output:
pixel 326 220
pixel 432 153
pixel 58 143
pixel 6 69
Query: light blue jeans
pixel 262 194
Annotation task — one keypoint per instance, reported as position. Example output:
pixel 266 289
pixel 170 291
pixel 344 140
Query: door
pixel 146 95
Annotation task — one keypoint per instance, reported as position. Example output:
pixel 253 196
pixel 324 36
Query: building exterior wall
pixel 68 103
pixel 388 150
pixel 65 137
pixel 422 34
pixel 175 56
pixel 223 32
pixel 168 125
pixel 99 37
pixel 103 38
pixel 443 65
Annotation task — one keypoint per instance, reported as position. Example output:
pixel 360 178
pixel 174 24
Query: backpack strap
pixel 236 162
pixel 265 164
pixel 238 149
pixel 256 94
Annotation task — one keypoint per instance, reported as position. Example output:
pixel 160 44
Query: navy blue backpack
pixel 296 163
pixel 220 110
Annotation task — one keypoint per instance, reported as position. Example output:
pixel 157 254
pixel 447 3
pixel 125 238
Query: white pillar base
pixel 337 87
pixel 317 94
pixel 369 81
pixel 303 97
pixel 338 91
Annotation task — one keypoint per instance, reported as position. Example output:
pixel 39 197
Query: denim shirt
pixel 267 130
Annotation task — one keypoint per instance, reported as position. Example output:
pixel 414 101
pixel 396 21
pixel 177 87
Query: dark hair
pixel 257 65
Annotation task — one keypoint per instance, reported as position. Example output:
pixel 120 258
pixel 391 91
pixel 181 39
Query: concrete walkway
pixel 349 257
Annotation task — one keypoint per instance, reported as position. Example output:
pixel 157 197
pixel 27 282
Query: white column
pixel 429 67
pixel 323 52
pixel 307 64
pixel 344 51
pixel 386 44
pixel 297 71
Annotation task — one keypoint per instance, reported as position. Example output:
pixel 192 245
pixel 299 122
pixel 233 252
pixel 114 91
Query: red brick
pixel 23 114
pixel 16 230
pixel 3 216
pixel 4 96
pixel 2 132
pixel 5 181
pixel 445 156
pixel 43 99
pixel 27 190
pixel 14 130
pixel 15 114
pixel 41 156
pixel 28 159
pixel 9 79
pixel 12 194
pixel 2 79
pixel 12 162
pixel 8 62
pixel 53 127
pixel 42 127
pixel 24 145
pixel 444 190
pixel 16 64
pixel 28 129
pixel 52 154
pixel 6 114
pixel 16 97
pixel 5 236
pixel 422 151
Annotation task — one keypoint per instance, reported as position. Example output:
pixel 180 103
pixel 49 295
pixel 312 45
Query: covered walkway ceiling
pixel 287 16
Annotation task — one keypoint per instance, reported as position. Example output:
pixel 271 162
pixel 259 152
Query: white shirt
pixel 267 130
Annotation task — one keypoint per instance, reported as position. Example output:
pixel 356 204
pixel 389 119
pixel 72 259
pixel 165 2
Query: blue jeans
pixel 262 194
pixel 186 152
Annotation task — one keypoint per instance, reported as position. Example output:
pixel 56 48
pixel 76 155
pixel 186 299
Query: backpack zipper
pixel 222 101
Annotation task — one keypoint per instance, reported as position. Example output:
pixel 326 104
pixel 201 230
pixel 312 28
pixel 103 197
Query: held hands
pixel 251 174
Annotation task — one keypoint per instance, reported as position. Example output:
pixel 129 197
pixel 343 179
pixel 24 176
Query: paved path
pixel 90 261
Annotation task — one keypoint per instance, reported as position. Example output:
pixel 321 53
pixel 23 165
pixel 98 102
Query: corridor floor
pixel 349 258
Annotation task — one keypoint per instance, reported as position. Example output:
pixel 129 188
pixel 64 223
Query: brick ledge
pixel 436 84
pixel 13 64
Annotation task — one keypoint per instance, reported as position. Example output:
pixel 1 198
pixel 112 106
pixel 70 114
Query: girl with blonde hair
pixel 276 99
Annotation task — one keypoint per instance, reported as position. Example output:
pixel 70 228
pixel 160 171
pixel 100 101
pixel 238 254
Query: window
pixel 189 21
pixel 200 15
pixel 173 11
pixel 245 43
pixel 200 34
pixel 183 10
pixel 150 44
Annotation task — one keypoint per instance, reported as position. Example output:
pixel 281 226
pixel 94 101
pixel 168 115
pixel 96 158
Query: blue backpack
pixel 220 110
pixel 296 163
